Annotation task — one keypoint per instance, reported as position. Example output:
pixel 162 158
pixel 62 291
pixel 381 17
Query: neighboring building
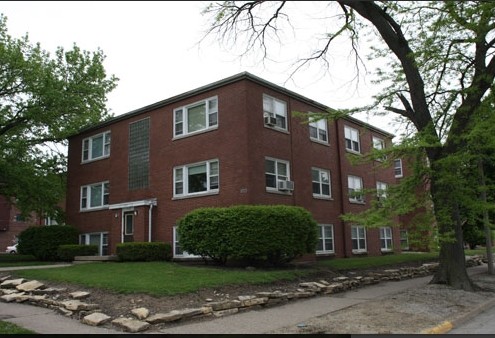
pixel 232 142
pixel 12 222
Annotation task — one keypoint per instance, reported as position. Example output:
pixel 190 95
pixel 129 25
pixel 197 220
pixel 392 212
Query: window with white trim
pixel 379 145
pixel 381 190
pixel 358 236
pixel 355 189
pixel 277 109
pixel 321 183
pixel 325 239
pixel 94 196
pixel 197 178
pixel 352 139
pixel 398 168
pixel 96 147
pixel 386 239
pixel 404 239
pixel 196 117
pixel 99 239
pixel 178 252
pixel 275 171
pixel 318 130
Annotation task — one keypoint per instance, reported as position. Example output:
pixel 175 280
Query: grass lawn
pixel 9 328
pixel 168 278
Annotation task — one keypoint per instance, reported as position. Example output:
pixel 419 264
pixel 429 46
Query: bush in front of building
pixel 249 234
pixel 67 252
pixel 144 251
pixel 43 241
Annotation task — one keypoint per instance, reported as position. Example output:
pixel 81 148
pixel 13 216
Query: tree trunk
pixel 486 221
pixel 452 261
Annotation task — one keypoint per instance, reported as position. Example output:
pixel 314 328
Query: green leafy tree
pixel 438 73
pixel 43 100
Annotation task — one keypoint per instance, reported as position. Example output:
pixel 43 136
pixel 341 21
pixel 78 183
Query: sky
pixel 154 48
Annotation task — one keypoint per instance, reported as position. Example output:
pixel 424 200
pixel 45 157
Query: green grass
pixel 378 261
pixel 157 278
pixel 9 328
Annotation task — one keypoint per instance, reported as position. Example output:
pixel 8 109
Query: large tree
pixel 438 72
pixel 43 100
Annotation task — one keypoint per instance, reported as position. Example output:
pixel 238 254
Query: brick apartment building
pixel 234 141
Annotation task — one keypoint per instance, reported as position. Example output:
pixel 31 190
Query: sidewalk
pixel 292 315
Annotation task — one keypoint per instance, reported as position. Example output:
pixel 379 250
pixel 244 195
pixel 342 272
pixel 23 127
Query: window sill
pixel 202 131
pixel 284 131
pixel 94 209
pixel 323 143
pixel 350 151
pixel 325 253
pixel 357 202
pixel 278 192
pixel 95 159
pixel 359 252
pixel 324 198
pixel 210 193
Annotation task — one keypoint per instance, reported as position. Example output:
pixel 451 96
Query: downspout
pixel 122 226
pixel 149 222
pixel 342 193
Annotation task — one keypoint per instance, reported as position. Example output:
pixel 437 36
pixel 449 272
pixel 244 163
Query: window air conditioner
pixel 285 185
pixel 270 121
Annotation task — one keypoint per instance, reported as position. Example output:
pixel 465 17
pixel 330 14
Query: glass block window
pixel 139 154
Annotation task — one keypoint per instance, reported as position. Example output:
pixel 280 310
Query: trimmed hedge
pixel 67 252
pixel 43 241
pixel 144 251
pixel 251 234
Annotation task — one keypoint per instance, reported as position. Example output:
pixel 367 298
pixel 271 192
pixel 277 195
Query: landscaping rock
pixel 131 325
pixel 96 318
pixel 30 286
pixel 141 313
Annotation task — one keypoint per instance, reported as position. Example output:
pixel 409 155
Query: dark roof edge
pixel 220 83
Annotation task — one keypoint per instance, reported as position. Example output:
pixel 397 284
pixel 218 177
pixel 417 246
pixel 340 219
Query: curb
pixel 447 325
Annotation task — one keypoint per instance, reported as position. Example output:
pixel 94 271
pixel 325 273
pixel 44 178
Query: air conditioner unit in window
pixel 270 121
pixel 285 185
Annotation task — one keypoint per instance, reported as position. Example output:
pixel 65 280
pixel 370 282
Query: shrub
pixel 43 241
pixel 67 252
pixel 272 234
pixel 144 251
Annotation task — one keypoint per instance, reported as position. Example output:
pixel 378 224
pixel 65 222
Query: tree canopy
pixel 435 68
pixel 44 98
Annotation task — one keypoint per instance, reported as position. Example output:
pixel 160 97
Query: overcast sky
pixel 152 47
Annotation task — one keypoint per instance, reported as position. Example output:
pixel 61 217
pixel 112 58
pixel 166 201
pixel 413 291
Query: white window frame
pixel 321 183
pixel 181 117
pixel 398 167
pixel 357 236
pixel 269 110
pixel 354 184
pixel 321 127
pixel 379 144
pixel 87 147
pixel 277 174
pixel 386 243
pixel 322 237
pixel 351 135
pixel 176 248
pixel 211 178
pixel 86 192
pixel 84 239
pixel 404 238
pixel 381 190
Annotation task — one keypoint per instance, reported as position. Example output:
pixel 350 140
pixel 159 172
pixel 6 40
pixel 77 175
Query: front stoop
pixel 92 259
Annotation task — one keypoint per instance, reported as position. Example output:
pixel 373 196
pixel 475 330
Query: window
pixel 352 139
pixel 379 145
pixel 321 183
pixel 358 235
pixel 318 131
pixel 196 117
pixel 139 154
pixel 276 109
pixel 325 242
pixel 386 239
pixel 99 239
pixel 198 178
pixel 96 147
pixel 355 189
pixel 275 171
pixel 381 190
pixel 404 239
pixel 178 252
pixel 94 196
pixel 398 167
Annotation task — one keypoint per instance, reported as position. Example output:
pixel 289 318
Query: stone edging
pixel 35 293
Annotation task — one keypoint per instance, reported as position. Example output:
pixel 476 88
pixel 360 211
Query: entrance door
pixel 129 226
